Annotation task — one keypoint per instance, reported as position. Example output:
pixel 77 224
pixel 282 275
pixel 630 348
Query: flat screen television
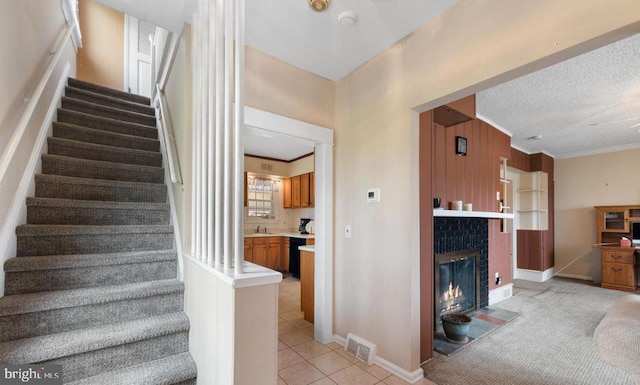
pixel 635 232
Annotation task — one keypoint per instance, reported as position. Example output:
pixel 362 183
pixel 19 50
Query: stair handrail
pixel 33 100
pixel 169 139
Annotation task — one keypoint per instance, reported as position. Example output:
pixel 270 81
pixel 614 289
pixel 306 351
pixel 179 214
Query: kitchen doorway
pixel 322 138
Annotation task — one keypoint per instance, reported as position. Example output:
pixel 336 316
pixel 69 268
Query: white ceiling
pixel 294 33
pixel 269 144
pixel 585 105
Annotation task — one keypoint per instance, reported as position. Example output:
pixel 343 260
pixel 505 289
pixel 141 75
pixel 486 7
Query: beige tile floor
pixel 302 361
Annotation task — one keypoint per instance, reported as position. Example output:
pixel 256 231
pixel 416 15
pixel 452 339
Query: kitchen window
pixel 261 197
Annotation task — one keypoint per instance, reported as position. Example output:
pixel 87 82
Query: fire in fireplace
pixel 457 282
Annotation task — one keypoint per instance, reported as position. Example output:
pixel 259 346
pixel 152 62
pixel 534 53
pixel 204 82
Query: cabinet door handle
pixel 616 256
pixel 616 269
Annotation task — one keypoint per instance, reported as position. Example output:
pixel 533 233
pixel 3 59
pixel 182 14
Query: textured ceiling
pixel 582 106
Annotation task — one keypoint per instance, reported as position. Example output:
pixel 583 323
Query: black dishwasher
pixel 294 255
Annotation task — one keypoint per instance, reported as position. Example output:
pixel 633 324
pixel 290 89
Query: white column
pixel 219 150
pixel 227 185
pixel 204 140
pixel 238 202
pixel 197 134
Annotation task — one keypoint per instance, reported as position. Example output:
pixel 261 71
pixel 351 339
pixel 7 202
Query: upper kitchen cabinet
pixel 299 191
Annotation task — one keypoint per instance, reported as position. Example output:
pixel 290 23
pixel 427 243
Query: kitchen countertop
pixel 310 248
pixel 290 235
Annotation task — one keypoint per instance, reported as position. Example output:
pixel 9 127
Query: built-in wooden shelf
pixel 471 214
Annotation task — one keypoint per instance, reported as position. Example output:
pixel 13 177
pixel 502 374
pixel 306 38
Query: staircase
pixel 93 286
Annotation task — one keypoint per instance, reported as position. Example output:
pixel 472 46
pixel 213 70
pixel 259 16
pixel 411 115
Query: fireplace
pixel 457 282
pixel 461 265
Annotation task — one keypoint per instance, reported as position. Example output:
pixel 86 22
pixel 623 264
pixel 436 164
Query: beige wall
pixel 101 59
pixel 581 184
pixel 275 86
pixel 474 45
pixel 28 32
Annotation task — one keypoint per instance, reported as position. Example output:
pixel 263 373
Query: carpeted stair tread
pixel 58 345
pixel 43 301
pixel 46 230
pixel 67 272
pixel 59 186
pixel 106 124
pixel 96 169
pixel 107 100
pixel 175 369
pixel 97 136
pixel 41 240
pixel 107 112
pixel 91 151
pixel 85 212
pixel 108 91
pixel 53 262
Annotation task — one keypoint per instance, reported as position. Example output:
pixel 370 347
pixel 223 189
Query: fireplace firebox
pixel 457 282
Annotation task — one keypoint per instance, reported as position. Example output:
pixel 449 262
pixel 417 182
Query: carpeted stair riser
pixel 44 211
pixel 90 151
pixel 96 136
pixel 109 91
pixel 107 112
pixel 23 282
pixel 178 369
pixel 36 240
pixel 72 318
pixel 105 100
pixel 105 124
pixel 94 169
pixel 54 186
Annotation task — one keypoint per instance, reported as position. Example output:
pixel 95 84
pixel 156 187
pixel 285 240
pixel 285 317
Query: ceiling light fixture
pixel 347 19
pixel 319 5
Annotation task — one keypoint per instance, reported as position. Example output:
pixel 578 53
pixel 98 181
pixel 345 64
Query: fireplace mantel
pixel 471 214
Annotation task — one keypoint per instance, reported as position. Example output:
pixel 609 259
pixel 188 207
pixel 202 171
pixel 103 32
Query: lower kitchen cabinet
pixel 307 284
pixel 260 253
pixel 274 253
pixel 248 249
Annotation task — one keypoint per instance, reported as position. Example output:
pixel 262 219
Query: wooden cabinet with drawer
pixel 618 268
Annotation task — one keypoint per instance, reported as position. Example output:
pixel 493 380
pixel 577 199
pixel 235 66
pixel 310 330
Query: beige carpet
pixel 550 343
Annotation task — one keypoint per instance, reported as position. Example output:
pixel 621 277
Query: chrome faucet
pixel 258 229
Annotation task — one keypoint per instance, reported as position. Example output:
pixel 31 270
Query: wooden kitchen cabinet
pixel 307 284
pixel 618 268
pixel 304 191
pixel 248 249
pixel 286 195
pixel 295 191
pixel 274 253
pixel 260 245
pixel 285 254
pixel 299 191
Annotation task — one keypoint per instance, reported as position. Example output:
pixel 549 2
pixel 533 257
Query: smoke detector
pixel 319 5
pixel 347 19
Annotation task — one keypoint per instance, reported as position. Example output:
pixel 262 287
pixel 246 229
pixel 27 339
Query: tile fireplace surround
pixel 461 234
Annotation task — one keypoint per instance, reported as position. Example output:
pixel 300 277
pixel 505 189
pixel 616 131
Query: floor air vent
pixel 363 350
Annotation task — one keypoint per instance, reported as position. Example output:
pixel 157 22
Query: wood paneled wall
pixel 520 160
pixel 474 178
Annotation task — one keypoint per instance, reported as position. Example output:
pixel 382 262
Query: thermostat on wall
pixel 373 195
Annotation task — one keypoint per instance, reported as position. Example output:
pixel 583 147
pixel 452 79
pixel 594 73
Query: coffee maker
pixel 303 225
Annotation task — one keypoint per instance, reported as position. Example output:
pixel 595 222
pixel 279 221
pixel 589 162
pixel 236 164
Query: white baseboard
pixel 410 377
pixel 18 211
pixel 533 275
pixel 575 276
pixel 500 294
